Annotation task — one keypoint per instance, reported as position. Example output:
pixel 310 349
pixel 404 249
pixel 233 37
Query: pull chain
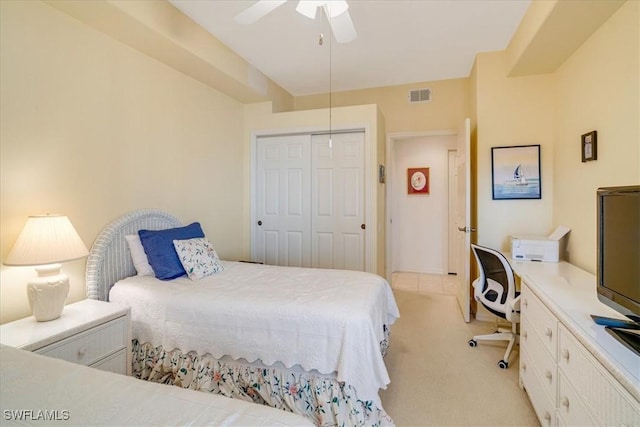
pixel 321 43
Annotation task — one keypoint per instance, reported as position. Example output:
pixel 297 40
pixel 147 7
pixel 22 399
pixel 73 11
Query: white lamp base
pixel 48 292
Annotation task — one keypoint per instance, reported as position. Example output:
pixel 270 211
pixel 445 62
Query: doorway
pixel 418 237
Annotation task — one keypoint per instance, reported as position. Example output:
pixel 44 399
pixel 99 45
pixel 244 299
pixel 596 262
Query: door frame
pixel 369 187
pixel 392 139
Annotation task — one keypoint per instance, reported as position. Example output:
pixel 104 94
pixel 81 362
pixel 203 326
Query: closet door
pixel 283 201
pixel 337 201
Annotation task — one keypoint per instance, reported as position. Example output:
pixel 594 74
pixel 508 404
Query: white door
pixel 452 200
pixel 337 221
pixel 463 217
pixel 283 201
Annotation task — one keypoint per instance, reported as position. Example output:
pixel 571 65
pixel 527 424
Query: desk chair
pixel 495 289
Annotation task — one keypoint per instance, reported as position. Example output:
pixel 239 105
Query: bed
pixel 309 341
pixel 39 390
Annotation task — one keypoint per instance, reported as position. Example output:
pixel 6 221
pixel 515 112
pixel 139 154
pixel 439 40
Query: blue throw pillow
pixel 158 245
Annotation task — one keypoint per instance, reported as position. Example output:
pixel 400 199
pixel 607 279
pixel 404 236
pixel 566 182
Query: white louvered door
pixel 309 198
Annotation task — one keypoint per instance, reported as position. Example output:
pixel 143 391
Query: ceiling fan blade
pixel 257 10
pixel 333 8
pixel 343 28
pixel 308 8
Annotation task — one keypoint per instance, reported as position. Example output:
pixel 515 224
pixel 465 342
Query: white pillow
pixel 198 257
pixel 138 256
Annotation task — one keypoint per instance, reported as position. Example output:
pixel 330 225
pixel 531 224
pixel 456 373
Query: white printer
pixel 538 248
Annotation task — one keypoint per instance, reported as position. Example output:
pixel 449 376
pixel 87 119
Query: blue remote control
pixel 615 323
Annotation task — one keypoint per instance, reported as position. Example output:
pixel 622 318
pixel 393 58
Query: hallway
pixel 425 283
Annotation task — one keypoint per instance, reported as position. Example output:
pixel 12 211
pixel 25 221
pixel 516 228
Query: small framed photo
pixel 381 178
pixel 589 146
pixel 418 181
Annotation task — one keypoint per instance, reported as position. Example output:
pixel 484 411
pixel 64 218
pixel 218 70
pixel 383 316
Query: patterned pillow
pixel 198 257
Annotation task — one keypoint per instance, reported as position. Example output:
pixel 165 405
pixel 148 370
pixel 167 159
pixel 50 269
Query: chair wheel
pixel 473 343
pixel 503 365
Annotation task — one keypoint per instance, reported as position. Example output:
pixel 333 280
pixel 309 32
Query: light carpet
pixel 438 380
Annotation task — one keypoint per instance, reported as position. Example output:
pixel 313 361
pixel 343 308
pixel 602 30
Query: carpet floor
pixel 438 380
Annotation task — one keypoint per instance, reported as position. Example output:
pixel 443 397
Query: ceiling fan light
pixel 308 8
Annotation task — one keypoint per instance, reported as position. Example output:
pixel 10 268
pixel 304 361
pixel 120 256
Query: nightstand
pixel 89 332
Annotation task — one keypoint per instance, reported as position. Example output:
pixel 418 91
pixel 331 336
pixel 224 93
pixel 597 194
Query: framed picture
pixel 418 181
pixel 589 141
pixel 515 172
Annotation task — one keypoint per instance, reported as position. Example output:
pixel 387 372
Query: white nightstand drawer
pixel 90 346
pixel 117 363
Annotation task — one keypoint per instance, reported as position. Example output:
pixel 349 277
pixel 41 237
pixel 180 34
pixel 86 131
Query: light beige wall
pixel 511 111
pixel 597 88
pixel 91 128
pixel 449 105
pixel 158 29
pixel 259 120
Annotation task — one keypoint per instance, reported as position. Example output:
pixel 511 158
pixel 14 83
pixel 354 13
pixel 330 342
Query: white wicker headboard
pixel 109 259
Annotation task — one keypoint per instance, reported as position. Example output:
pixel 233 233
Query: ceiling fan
pixel 336 12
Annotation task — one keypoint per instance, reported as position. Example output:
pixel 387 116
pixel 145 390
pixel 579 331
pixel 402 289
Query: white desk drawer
pixel 544 363
pixel 90 346
pixel 608 400
pixel 540 320
pixel 571 409
pixel 542 402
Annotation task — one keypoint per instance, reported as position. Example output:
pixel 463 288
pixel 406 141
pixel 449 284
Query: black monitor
pixel 618 276
pixel 619 248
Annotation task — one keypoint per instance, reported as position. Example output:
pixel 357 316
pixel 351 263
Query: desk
pixel 572 369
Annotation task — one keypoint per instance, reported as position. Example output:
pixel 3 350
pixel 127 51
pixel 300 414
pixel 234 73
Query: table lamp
pixel 45 242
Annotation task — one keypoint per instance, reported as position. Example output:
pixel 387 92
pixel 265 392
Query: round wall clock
pixel 418 181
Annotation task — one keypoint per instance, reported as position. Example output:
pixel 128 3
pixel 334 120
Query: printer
pixel 538 248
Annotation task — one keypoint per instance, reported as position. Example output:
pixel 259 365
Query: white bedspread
pixel 38 390
pixel 325 320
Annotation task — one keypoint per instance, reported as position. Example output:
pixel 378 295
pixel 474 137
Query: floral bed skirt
pixel 324 400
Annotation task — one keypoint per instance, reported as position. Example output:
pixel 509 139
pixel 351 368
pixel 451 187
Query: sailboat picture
pixel 516 172
pixel 519 177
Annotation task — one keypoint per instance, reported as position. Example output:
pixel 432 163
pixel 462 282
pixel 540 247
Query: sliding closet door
pixel 283 201
pixel 337 205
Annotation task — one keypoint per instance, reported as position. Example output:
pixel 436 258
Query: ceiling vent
pixel 420 95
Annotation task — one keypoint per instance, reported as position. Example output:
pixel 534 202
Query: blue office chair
pixel 495 289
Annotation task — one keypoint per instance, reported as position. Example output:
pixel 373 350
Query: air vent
pixel 420 95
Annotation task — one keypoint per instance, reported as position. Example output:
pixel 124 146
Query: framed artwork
pixel 418 181
pixel 589 141
pixel 515 172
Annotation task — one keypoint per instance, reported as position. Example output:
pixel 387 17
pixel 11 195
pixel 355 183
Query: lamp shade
pixel 47 239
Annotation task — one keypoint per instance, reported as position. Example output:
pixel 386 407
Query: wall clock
pixel 418 180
